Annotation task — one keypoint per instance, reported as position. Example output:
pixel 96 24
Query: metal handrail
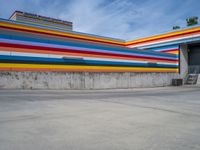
pixel 194 69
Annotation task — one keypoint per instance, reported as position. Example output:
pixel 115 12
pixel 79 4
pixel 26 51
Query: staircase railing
pixel 194 69
pixel 193 73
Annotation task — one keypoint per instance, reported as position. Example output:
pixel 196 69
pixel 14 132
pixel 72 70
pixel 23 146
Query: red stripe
pixel 79 51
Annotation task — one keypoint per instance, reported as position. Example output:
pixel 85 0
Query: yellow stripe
pixel 164 35
pixel 109 68
pixel 3 24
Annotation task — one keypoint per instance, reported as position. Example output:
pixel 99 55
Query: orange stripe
pixel 173 52
pixel 176 51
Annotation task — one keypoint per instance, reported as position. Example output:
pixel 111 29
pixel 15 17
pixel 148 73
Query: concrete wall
pixel 84 80
pixel 198 79
pixel 183 61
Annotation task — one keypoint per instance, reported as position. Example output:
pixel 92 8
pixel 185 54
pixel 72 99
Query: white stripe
pixel 5 53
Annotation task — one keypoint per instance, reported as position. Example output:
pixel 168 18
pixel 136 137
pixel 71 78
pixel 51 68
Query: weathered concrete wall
pixel 84 80
pixel 198 79
pixel 183 61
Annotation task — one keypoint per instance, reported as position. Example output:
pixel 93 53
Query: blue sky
pixel 125 19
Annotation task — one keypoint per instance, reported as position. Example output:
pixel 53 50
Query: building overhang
pixel 186 35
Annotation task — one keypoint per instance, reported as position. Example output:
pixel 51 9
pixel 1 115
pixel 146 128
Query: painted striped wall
pixel 26 47
pixel 170 49
pixel 70 35
pixel 170 38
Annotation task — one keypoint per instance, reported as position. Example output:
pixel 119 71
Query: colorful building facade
pixel 29 44
pixel 34 43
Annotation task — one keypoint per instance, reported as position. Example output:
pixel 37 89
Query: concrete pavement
pixel 154 119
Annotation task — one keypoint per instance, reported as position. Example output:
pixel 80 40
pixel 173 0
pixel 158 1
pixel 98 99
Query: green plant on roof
pixel 176 27
pixel 192 21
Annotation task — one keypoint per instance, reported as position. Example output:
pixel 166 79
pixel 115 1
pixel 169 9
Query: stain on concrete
pixel 83 80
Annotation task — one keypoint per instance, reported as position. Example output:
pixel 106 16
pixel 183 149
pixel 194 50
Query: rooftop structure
pixel 41 20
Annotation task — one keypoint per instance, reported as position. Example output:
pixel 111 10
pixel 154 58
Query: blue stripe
pixel 86 62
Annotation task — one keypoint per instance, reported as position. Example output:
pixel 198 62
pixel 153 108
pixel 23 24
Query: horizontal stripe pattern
pixel 20 52
pixel 66 45
pixel 168 38
pixel 51 31
pixel 68 60
pixel 171 49
pixel 77 68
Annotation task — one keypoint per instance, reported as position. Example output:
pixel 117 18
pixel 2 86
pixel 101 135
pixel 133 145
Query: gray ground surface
pixel 141 119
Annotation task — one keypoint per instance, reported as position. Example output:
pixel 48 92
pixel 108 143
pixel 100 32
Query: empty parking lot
pixel 157 118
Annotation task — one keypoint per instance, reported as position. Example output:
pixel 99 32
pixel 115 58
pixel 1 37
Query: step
pixel 192 79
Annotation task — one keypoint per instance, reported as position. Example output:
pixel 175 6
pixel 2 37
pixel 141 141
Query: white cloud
pixel 109 19
pixel 125 19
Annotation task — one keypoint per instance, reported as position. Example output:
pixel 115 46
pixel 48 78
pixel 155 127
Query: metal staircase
pixel 191 79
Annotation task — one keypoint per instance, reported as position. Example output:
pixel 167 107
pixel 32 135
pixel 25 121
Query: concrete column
pixel 183 61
